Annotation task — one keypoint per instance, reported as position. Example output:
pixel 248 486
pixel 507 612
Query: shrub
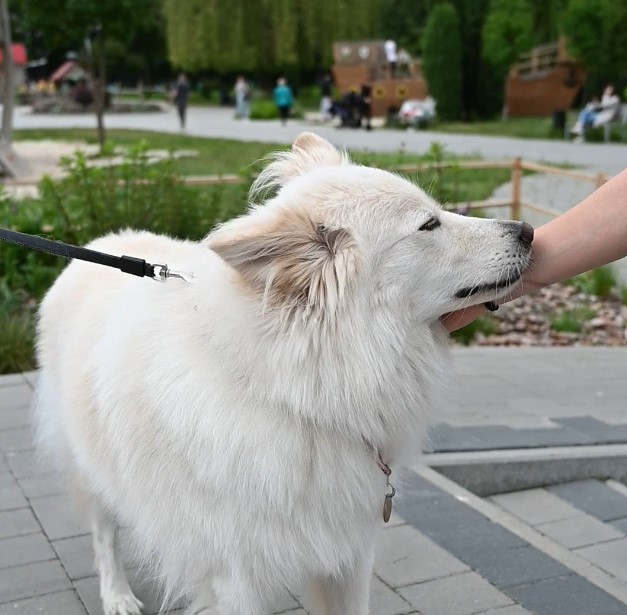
pixel 485 324
pixel 599 282
pixel 571 320
pixel 17 326
pixel 87 203
pixel 265 109
pixel 442 60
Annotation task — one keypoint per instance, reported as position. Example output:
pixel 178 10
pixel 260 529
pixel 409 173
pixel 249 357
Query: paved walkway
pixel 548 550
pixel 219 122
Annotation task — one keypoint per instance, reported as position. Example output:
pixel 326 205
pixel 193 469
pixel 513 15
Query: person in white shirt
pixel 392 58
pixel 597 114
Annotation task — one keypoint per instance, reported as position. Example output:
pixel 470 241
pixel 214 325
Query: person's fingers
pixel 460 318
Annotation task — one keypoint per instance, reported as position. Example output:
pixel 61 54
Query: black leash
pixel 126 264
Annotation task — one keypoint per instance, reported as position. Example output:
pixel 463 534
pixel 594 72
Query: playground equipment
pixel 364 63
pixel 544 80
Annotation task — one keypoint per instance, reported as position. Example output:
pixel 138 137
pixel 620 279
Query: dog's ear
pixel 309 151
pixel 292 262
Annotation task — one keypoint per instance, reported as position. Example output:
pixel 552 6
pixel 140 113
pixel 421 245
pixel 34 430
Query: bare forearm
pixel 592 234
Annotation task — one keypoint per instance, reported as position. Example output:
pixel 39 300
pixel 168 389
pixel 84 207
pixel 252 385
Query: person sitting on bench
pixel 597 113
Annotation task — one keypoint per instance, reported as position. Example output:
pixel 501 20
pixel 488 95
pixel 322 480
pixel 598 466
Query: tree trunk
pixel 8 81
pixel 100 90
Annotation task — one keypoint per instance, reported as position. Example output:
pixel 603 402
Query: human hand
pixel 461 318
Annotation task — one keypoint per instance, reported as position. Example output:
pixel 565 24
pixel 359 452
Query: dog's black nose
pixel 526 233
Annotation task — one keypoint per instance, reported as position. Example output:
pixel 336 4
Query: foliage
pixel 596 33
pixel 571 320
pixel 442 60
pixel 599 282
pixel 17 326
pixel 484 324
pixel 507 32
pixel 133 31
pixel 87 203
pixel 267 110
pixel 263 35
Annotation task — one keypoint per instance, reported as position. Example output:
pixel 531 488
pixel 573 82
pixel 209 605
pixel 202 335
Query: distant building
pixel 19 66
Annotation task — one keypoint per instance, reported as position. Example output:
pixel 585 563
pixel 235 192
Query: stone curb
pixel 486 473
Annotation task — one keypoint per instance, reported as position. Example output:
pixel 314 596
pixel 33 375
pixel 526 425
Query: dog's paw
pixel 122 604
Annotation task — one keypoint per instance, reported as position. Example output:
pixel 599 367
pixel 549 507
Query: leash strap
pixel 127 264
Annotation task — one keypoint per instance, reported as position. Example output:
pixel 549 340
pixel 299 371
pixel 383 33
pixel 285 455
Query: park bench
pixel 620 120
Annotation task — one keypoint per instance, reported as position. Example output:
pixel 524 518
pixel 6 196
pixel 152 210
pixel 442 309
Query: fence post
pixel 516 185
pixel 601 179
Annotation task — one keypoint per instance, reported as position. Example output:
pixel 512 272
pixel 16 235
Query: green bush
pixel 87 203
pixel 17 326
pixel 485 324
pixel 265 109
pixel 599 282
pixel 442 60
pixel 571 320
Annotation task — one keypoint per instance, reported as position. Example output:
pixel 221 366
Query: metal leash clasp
pixel 161 273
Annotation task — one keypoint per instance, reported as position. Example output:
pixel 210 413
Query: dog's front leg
pixel 348 594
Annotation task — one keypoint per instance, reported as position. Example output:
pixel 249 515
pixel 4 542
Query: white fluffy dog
pixel 240 423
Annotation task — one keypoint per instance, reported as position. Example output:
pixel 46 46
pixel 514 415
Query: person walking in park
pixel 242 98
pixel 590 235
pixel 283 99
pixel 181 96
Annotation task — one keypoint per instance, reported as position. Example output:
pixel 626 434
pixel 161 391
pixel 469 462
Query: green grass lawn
pixel 217 156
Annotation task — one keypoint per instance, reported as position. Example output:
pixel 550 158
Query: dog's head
pixel 336 234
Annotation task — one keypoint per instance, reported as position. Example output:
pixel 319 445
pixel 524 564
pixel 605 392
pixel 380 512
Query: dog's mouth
pixel 469 291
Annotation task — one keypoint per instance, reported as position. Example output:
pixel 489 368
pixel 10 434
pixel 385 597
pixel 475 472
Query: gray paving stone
pixel 4 466
pixel 536 506
pixel 580 531
pixel 25 464
pixel 384 601
pixel 16 440
pixel 43 485
pixel 505 568
pixel 11 495
pixel 600 432
pixel 147 592
pixel 466 540
pixel 14 418
pixel 32 580
pixel 18 522
pixel 13 396
pixel 593 497
pixel 507 610
pixel 25 549
pixel 286 603
pixel 571 595
pixel 76 555
pixel 405 557
pixel 620 525
pixel 12 380
pixel 57 517
pixel 60 603
pixel 611 556
pixel 461 594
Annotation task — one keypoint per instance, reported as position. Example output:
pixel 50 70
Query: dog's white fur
pixel 235 421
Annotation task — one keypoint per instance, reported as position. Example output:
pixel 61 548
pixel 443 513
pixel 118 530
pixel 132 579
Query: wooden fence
pixel 516 203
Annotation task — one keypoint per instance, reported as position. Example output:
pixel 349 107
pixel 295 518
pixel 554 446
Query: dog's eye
pixel 430 224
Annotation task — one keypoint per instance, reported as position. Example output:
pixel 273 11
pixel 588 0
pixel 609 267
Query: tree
pixel 8 93
pixel 507 32
pixel 441 60
pixel 91 21
pixel 596 34
pixel 267 36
